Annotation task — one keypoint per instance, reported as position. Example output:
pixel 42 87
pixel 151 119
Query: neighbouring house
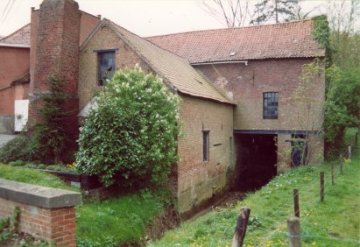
pixel 237 114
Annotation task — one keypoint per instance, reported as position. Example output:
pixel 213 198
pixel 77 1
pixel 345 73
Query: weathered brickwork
pixel 197 180
pixel 103 39
pixel 200 180
pixel 246 85
pixel 52 225
pixel 56 55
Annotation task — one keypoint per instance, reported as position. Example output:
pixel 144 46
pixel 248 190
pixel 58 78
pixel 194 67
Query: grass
pixel 334 222
pixel 116 221
pixel 108 223
pixel 32 176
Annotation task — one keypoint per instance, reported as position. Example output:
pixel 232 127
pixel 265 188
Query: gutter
pixel 222 62
pixel 14 45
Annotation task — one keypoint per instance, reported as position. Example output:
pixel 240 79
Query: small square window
pixel 206 145
pixel 270 105
pixel 106 66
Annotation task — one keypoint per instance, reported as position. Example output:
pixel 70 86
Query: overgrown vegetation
pixel 107 223
pixel 47 141
pixel 31 176
pixel 335 222
pixel 130 138
pixel 51 142
pixel 19 148
pixel 9 235
pixel 321 33
pixel 116 221
pixel 342 109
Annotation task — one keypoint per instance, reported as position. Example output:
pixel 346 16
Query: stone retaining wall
pixel 45 213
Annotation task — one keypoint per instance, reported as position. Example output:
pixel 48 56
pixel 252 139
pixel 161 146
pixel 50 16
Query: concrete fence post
pixel 294 232
pixel 240 229
pixel 349 152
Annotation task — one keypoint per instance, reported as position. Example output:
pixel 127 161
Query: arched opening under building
pixel 256 159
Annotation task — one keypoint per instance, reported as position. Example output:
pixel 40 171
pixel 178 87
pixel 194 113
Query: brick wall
pixel 102 40
pixel 199 181
pixel 45 213
pixel 55 52
pixel 52 225
pixel 246 85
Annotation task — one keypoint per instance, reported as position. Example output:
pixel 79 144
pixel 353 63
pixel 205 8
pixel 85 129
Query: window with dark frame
pixel 206 145
pixel 106 66
pixel 270 105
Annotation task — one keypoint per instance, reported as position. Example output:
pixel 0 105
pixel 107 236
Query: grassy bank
pixel 334 222
pixel 108 223
pixel 116 221
pixel 32 176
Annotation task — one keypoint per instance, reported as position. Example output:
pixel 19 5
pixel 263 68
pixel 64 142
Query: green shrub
pixel 20 148
pixel 130 138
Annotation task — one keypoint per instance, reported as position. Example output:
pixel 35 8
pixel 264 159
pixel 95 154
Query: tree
pixel 276 10
pixel 342 108
pixel 235 13
pixel 307 100
pixel 343 19
pixel 131 137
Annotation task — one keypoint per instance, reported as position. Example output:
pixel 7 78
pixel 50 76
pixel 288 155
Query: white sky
pixel 143 17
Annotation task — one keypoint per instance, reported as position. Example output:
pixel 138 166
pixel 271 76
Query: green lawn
pixel 116 221
pixel 32 176
pixel 335 222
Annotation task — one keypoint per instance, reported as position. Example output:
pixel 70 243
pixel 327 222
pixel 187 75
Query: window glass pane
pixel 106 66
pixel 206 145
pixel 270 105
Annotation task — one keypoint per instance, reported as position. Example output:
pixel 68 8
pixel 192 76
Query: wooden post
pixel 294 232
pixel 349 152
pixel 240 228
pixel 321 186
pixel 296 203
pixel 332 174
pixel 341 167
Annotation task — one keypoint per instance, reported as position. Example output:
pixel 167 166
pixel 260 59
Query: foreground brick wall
pixel 52 225
pixel 199 181
pixel 45 213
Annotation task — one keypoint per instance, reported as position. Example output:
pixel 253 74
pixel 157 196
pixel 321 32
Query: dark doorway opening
pixel 256 160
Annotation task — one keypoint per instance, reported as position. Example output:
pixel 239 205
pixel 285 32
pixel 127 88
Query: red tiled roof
pixel 173 69
pixel 20 36
pixel 285 40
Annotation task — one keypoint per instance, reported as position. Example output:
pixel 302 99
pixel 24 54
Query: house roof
pixel 173 69
pixel 19 37
pixel 285 40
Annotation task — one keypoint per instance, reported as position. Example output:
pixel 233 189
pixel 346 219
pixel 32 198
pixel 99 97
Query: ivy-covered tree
pixel 130 138
pixel 274 10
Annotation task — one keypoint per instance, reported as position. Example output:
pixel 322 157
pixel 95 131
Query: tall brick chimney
pixel 55 38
